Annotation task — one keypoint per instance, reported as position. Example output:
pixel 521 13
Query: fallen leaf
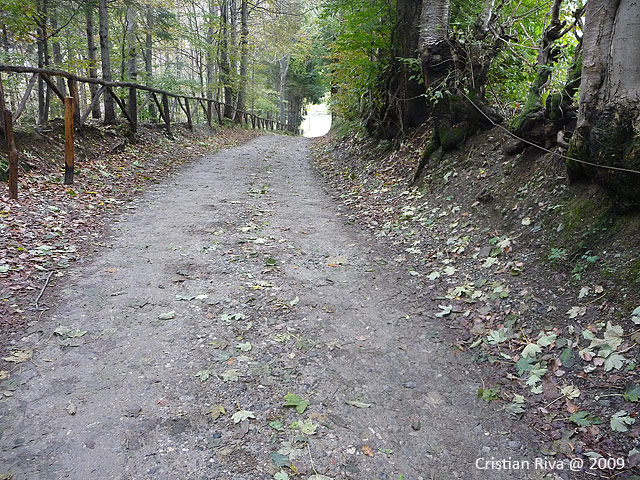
pixel 358 404
pixel 368 451
pixel 167 315
pixel 242 415
pixel 215 411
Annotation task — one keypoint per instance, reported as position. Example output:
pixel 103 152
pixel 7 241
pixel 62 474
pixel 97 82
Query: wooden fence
pixel 75 118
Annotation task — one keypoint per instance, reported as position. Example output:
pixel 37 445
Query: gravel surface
pixel 227 287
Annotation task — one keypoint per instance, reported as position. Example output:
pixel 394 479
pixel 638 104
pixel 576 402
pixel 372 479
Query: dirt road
pixel 225 289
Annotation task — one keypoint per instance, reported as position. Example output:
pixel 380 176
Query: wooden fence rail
pixel 75 118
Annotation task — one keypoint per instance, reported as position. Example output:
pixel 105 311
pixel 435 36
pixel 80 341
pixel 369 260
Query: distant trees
pixel 221 49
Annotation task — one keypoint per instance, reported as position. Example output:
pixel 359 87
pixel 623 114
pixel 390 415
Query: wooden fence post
pixel 69 108
pixel 73 93
pixel 13 154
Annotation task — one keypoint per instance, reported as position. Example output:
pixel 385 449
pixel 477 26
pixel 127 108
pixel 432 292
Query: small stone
pixel 416 425
pixel 486 449
pixel 410 385
pixel 514 444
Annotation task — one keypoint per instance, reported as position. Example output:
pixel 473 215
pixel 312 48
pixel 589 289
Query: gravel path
pixel 226 288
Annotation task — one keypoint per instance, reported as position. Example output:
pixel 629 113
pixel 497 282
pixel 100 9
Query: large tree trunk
pixel 244 55
pixel 435 52
pixel 608 131
pixel 211 78
pixel 92 54
pixel 57 52
pixel 404 106
pixel 148 58
pixel 132 42
pixel 456 115
pixel 283 62
pixel 109 109
pixel 43 60
pixel 225 63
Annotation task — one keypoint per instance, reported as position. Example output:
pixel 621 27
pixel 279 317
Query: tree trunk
pixel 435 53
pixel 244 55
pixel 57 52
pixel 404 106
pixel 43 61
pixel 210 49
pixel 109 109
pixel 92 54
pixel 608 131
pixel 148 58
pixel 132 42
pixel 456 114
pixel 225 64
pixel 284 70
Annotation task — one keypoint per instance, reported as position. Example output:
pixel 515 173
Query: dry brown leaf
pixel 368 451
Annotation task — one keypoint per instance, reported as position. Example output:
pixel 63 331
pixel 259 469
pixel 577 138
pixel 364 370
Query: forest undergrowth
pixel 535 278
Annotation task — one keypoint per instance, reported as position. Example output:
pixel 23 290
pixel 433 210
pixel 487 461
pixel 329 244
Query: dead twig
pixel 43 289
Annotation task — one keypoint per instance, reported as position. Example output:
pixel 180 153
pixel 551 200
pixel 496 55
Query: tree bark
pixel 211 83
pixel 244 54
pixel 283 63
pixel 148 57
pixel 225 64
pixel 43 60
pixel 608 131
pixel 109 108
pixel 404 106
pixel 92 54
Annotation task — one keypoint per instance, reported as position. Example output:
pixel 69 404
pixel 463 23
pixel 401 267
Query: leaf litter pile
pixel 563 348
pixel 52 225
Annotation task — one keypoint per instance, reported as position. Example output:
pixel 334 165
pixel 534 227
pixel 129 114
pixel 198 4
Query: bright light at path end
pixel 317 122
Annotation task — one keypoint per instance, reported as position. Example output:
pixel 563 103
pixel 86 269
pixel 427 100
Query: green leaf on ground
pixel 277 425
pixel 167 315
pixel 515 409
pixel 632 393
pixel 244 347
pixel 620 421
pixel 567 358
pixel 531 350
pixel 635 316
pixel 614 361
pixel 307 427
pixel 202 375
pixel 67 332
pixel 242 415
pixel 584 419
pixel 570 392
pixel 358 404
pixel 216 410
pixel 281 476
pixel 280 460
pixel 446 310
pixel 231 375
pixel 293 400
pixel 524 365
pixel 488 394
pixel 496 337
